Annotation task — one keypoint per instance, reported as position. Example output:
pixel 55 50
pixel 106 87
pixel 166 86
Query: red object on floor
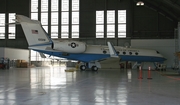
pixel 149 73
pixel 140 73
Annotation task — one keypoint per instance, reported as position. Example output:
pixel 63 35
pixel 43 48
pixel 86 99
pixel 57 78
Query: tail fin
pixel 35 34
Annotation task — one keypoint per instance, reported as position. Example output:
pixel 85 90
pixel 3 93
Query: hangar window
pixel 54 18
pixel 111 24
pixel 99 24
pixel 69 11
pixel 54 5
pixel 110 29
pixel 75 19
pixel 34 9
pixel 12 28
pixel 54 31
pixel 2 26
pixel 64 18
pixel 44 14
pixel 44 5
pixel 121 23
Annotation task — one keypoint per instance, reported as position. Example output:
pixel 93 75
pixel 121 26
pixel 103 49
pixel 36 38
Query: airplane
pixel 90 55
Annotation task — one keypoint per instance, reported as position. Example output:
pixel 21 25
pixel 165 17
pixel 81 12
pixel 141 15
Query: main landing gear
pixel 83 67
pixel 94 66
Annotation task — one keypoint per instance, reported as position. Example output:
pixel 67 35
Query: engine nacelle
pixel 70 46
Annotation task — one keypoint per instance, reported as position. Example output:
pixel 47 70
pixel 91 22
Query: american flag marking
pixel 34 31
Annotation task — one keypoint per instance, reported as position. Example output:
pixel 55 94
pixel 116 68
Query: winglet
pixel 112 50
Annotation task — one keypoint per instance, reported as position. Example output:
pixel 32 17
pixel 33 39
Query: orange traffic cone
pixel 140 73
pixel 149 73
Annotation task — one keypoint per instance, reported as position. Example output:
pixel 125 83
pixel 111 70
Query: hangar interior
pixel 131 23
pixel 128 23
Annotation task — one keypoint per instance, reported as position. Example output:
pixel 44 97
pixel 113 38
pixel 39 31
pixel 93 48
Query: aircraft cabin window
pixel 117 52
pixel 157 52
pixel 136 53
pixel 104 52
pixel 124 53
pixel 130 53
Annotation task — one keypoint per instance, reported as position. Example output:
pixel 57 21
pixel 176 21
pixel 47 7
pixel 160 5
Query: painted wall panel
pixel 12 53
pixel 165 46
pixel 1 52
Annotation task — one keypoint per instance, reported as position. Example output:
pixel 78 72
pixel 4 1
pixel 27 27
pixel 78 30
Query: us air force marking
pixel 73 45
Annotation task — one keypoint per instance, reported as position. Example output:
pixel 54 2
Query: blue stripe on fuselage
pixel 85 57
pixel 77 56
pixel 139 58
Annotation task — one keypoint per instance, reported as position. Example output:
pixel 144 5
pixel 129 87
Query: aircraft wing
pixel 112 50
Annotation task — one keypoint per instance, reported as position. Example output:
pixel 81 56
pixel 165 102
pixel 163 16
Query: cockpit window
pixel 157 52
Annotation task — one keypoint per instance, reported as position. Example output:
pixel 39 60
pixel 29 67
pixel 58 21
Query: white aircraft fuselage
pixel 39 41
pixel 100 52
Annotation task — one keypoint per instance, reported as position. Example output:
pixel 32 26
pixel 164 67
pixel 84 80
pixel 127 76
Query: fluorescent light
pixel 140 3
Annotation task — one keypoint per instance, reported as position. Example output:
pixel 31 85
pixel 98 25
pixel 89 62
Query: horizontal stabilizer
pixel 112 50
pixel 12 24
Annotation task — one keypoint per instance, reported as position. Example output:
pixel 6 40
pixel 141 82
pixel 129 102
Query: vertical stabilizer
pixel 35 34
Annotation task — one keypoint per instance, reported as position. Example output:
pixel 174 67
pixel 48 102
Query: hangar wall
pixel 14 54
pixel 142 22
pixel 165 46
pixel 1 52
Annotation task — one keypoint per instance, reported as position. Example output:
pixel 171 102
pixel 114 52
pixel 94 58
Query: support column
pixel 178 41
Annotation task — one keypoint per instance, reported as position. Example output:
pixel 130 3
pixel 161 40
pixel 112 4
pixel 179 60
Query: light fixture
pixel 140 3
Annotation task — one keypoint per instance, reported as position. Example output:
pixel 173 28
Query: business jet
pixel 90 55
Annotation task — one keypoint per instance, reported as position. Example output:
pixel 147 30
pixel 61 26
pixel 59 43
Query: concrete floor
pixel 54 86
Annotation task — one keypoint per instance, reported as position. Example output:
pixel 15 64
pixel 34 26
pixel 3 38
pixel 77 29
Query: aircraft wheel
pixel 94 68
pixel 82 67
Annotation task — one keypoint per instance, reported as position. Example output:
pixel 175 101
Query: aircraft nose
pixel 163 58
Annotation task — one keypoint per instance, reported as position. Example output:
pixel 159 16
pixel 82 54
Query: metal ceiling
pixel 168 8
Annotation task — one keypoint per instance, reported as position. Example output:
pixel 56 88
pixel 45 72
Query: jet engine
pixel 70 46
